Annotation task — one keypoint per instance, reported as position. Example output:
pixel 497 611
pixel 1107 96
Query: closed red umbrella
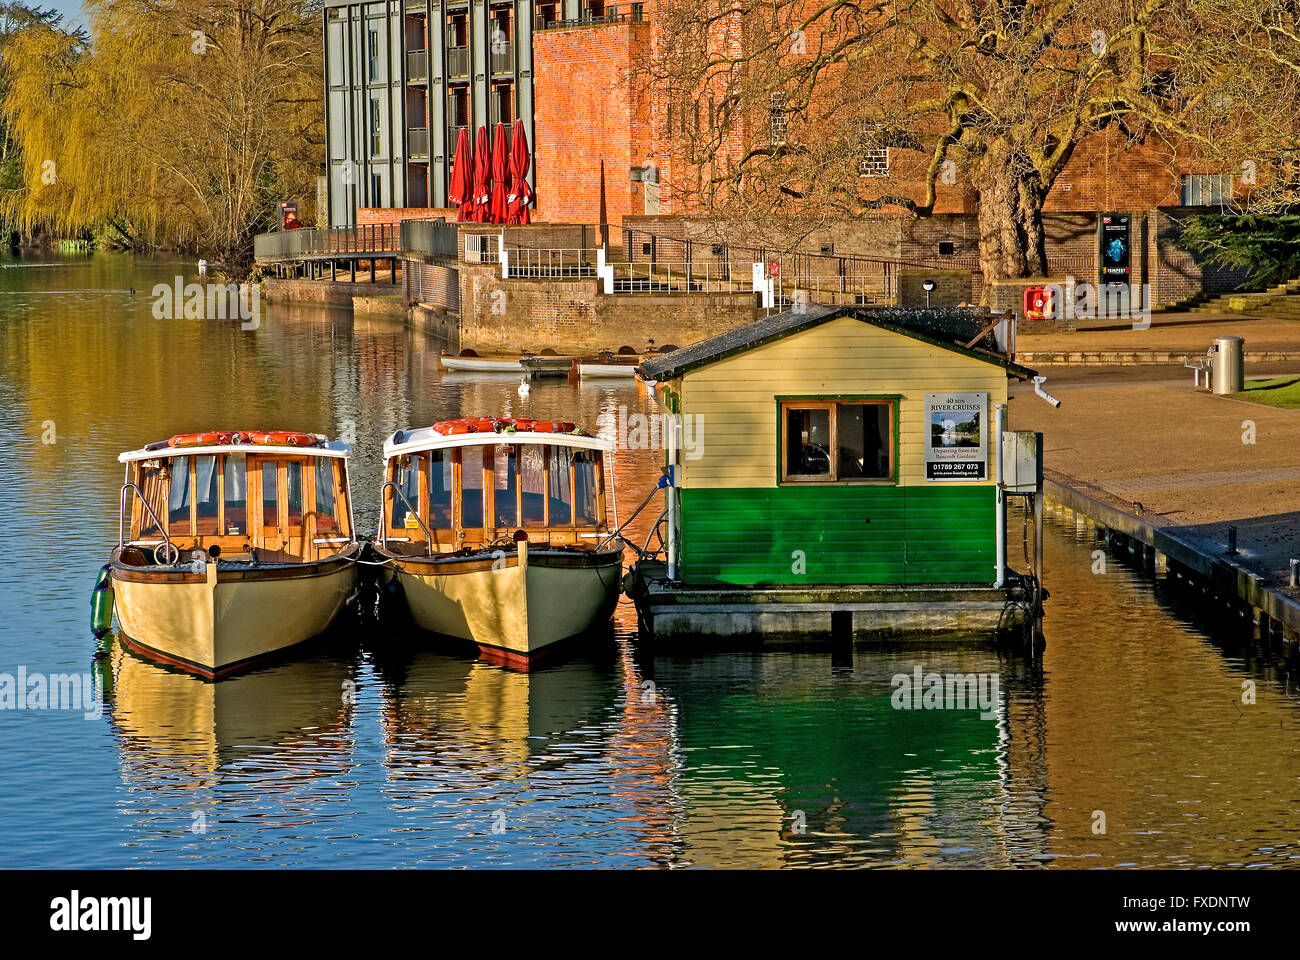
pixel 500 175
pixel 521 194
pixel 460 192
pixel 482 173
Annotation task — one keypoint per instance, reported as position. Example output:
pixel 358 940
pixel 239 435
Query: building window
pixel 1206 189
pixel 837 441
pixel 376 190
pixel 376 128
pixel 372 50
pixel 778 119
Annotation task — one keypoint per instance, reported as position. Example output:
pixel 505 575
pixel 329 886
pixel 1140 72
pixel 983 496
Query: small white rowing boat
pixel 483 364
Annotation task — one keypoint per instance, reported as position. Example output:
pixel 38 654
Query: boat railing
pixel 411 512
pixel 121 519
pixel 620 527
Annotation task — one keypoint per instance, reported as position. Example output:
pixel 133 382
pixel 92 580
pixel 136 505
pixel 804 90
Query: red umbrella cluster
pixel 490 184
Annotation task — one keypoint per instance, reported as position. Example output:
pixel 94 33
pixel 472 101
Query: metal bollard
pixel 1232 541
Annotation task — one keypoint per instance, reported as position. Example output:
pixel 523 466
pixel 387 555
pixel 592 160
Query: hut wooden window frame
pixel 832 402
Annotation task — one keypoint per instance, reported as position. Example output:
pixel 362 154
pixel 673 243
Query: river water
pixel 1128 744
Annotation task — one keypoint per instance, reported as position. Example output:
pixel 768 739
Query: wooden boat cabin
pixel 839 446
pixel 465 484
pixel 254 495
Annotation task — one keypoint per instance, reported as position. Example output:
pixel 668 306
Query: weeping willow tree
pixel 177 122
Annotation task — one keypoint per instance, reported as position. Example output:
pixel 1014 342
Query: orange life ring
pixel 214 439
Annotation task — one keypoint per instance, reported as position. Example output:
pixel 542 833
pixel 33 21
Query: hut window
pixel 294 507
pixel 837 440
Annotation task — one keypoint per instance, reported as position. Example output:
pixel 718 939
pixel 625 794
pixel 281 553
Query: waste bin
pixel 1229 364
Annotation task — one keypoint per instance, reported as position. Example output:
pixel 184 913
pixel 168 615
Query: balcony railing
pixel 503 57
pixel 625 13
pixel 458 61
pixel 378 238
pixel 417 142
pixel 417 64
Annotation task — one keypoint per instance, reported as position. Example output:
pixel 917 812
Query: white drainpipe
pixel 1000 507
pixel 670 492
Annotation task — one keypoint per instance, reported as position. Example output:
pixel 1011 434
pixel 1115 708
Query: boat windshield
pixel 478 493
pixel 249 505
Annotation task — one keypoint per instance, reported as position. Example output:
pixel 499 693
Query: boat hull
pixel 482 365
pixel 588 371
pixel 519 606
pixel 219 622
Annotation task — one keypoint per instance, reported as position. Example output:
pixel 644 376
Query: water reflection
pixel 766 758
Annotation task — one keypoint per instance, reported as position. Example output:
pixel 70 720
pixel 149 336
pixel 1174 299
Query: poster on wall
pixel 1116 248
pixel 956 439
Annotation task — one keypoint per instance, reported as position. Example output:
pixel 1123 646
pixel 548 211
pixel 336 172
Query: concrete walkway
pixel 1169 338
pixel 1142 439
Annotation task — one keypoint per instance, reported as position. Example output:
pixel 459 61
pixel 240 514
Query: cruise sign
pixel 956 438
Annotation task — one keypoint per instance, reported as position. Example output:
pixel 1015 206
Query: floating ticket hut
pixel 835 470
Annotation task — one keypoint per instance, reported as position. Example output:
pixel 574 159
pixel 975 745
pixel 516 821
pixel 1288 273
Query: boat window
pixel 294 506
pixel 532 478
pixel 178 502
pixel 837 440
pixel 407 477
pixel 505 478
pixel 236 495
pixel 561 496
pixel 270 503
pixel 150 482
pixel 471 487
pixel 206 496
pixel 586 475
pixel 440 489
pixel 327 519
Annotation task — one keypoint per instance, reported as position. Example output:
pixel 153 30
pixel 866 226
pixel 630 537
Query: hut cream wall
pixel 736 397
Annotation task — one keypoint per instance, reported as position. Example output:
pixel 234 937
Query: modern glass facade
pixel 401 77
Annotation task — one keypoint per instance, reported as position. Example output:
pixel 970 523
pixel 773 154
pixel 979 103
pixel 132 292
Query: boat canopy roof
pixel 259 441
pixel 502 430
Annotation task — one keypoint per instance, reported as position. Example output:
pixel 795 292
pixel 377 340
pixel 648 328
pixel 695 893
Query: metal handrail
pixel 428 537
pixel 121 518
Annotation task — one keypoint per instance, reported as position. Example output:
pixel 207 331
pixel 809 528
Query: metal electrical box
pixel 1022 461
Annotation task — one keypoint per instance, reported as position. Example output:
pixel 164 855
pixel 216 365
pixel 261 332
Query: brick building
pixel 402 76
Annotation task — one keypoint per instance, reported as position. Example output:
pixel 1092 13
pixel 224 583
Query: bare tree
pixel 803 100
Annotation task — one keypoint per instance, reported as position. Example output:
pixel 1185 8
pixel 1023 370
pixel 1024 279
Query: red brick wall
pixel 369 215
pixel 586 112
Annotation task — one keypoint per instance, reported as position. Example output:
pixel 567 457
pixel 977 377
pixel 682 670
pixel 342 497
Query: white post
pixel 670 492
pixel 504 255
pixel 1000 508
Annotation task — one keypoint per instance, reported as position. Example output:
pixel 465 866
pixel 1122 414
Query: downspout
pixel 1000 502
pixel 670 492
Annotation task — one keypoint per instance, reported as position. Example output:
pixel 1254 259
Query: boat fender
pixel 101 602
